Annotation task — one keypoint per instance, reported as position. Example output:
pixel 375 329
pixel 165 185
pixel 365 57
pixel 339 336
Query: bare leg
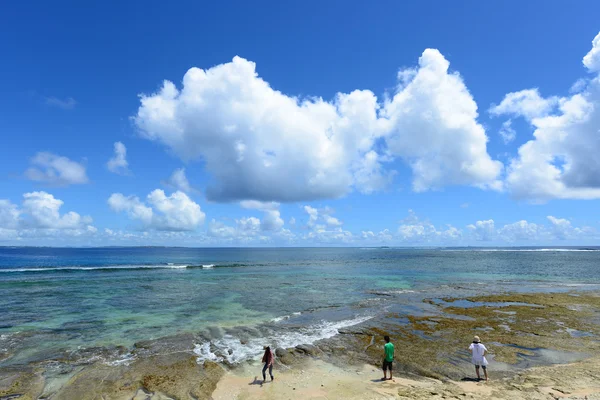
pixel 485 372
pixel 390 374
pixel 384 374
pixel 477 371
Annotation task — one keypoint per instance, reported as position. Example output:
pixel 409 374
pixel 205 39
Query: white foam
pixel 125 360
pixel 521 250
pixel 203 352
pixel 284 317
pixel 230 348
pixel 208 266
pixel 106 267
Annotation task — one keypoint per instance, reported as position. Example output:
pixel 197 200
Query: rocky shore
pixel 543 346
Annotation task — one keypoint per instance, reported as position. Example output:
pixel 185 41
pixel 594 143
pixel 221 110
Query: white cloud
pixel 483 230
pixel 292 221
pixel 67 104
pixel 432 121
pixel 272 220
pixel 39 216
pixel 526 103
pixel 261 144
pixel 324 216
pixel 313 214
pixel 247 230
pixel 384 236
pixel 118 163
pixel 176 212
pixel 413 229
pixel 322 234
pixel 592 59
pixel 56 170
pixel 520 231
pixel 43 210
pixel 132 205
pixel 563 230
pixel 220 230
pixel 9 215
pixel 507 132
pixel 528 232
pixel 178 180
pixel 561 162
pixel 332 221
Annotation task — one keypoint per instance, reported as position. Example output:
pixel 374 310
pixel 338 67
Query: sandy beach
pixel 320 380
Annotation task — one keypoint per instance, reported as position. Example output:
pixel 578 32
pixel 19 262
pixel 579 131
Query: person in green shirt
pixel 388 357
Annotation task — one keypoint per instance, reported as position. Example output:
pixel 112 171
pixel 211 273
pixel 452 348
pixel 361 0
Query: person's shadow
pixel 257 381
pixel 470 379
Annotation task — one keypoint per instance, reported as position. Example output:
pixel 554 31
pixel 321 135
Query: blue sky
pixel 340 123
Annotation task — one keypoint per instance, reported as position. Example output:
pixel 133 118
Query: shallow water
pixel 54 301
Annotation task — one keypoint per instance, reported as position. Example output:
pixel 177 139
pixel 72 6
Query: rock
pixel 286 357
pixel 169 376
pixel 308 349
pixel 22 385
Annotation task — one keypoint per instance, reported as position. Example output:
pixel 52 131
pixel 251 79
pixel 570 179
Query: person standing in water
pixel 268 359
pixel 479 351
pixel 388 357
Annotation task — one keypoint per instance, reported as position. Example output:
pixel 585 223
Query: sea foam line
pixel 230 348
pixel 99 268
pixel 521 250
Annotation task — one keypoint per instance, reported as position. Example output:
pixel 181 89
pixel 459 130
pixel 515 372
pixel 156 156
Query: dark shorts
pixel 482 366
pixel 387 365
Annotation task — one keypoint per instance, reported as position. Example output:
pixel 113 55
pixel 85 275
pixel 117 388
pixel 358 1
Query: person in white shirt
pixel 479 351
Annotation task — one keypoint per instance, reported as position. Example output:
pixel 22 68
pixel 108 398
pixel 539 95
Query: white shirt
pixel 478 350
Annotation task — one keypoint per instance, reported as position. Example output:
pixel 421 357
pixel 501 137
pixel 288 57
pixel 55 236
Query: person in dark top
pixel 268 359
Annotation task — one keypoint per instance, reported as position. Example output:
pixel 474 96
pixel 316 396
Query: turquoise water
pixel 232 301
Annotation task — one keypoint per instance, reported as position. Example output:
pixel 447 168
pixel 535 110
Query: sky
pixel 311 123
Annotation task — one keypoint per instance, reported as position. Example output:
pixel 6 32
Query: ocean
pixel 232 301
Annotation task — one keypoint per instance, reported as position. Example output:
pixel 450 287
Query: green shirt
pixel 388 348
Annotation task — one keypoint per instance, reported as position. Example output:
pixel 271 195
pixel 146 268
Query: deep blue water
pixel 53 300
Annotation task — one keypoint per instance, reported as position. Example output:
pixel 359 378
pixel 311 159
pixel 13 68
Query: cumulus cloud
pixel 414 229
pixel 383 236
pixel 118 163
pixel 483 230
pixel 561 162
pixel 432 122
pixel 323 216
pixel 55 170
pixel 526 103
pixel 519 231
pixel 178 180
pixel 272 220
pixel 247 230
pixel 562 229
pixel 529 232
pixel 38 216
pixel 176 212
pixel 592 59
pixel 261 144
